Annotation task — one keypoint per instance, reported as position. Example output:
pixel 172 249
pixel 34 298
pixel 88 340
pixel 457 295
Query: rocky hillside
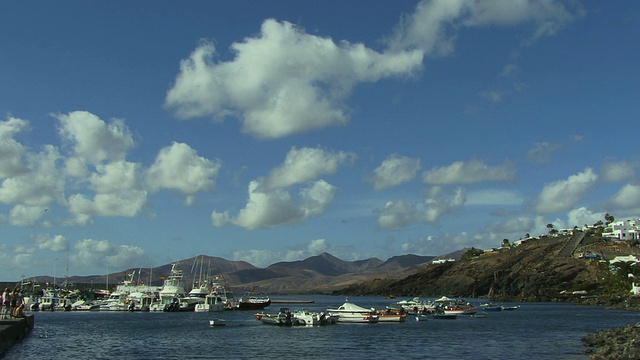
pixel 533 271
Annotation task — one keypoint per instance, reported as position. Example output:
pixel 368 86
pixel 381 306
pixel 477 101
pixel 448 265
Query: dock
pixel 284 301
pixel 13 330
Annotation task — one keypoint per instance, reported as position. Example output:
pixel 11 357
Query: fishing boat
pixel 253 301
pixel 219 298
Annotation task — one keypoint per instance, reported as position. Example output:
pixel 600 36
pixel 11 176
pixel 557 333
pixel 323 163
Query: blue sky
pixel 134 134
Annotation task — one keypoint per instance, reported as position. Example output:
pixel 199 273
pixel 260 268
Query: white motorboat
pixel 352 313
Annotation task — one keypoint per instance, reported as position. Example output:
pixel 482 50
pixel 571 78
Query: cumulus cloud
pixel 285 81
pixel 580 216
pixel 91 253
pixel 618 171
pixel 278 207
pixel 32 192
pixel 513 229
pixel 281 82
pixel 11 151
pixel 306 164
pixel 401 213
pixel 92 139
pixel 126 203
pixel 178 167
pixel 118 192
pixel 395 170
pixel 57 243
pixel 471 172
pixel 564 194
pixel 627 197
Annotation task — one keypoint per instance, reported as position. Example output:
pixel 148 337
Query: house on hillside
pixel 442 261
pixel 623 230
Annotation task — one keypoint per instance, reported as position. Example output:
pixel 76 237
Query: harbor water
pixel 533 331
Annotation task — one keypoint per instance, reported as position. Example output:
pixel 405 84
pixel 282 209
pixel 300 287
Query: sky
pixel 134 134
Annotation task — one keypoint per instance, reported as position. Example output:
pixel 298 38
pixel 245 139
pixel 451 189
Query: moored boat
pixel 252 301
pixel 352 313
pixel 217 322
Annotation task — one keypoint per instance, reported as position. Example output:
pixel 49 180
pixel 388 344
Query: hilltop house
pixel 623 230
pixel 442 261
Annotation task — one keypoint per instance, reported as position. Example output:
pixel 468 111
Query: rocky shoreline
pixel 613 344
pixel 617 343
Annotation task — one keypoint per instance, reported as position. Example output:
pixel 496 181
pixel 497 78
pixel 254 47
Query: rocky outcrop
pixel 613 344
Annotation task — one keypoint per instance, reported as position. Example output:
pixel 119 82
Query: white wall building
pixel 623 230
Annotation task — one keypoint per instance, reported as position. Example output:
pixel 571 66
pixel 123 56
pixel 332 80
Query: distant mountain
pixel 322 273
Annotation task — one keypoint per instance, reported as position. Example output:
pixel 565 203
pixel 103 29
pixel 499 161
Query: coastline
pixel 617 343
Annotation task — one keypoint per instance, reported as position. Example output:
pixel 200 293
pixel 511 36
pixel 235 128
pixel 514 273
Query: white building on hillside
pixel 623 230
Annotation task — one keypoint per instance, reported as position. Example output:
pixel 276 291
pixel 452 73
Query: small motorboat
pixel 217 322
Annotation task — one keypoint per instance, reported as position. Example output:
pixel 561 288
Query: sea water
pixel 533 331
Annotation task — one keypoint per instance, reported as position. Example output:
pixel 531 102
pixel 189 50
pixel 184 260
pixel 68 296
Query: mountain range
pixel 323 273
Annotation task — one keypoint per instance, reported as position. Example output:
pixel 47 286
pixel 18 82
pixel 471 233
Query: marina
pixel 534 330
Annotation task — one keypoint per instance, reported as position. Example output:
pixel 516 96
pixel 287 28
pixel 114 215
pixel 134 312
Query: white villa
pixel 442 261
pixel 623 230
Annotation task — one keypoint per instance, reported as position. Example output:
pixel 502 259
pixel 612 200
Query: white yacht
pixel 172 291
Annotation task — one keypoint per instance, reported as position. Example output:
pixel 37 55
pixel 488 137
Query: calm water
pixel 535 331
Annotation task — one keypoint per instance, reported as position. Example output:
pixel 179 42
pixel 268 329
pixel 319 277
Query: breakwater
pixel 13 330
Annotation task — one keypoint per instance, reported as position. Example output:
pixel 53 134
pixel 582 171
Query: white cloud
pixel 618 171
pixel 179 167
pixel 306 164
pixel 400 214
pixel 114 177
pixel 580 216
pixel 564 194
pixel 395 170
pixel 126 203
pixel 11 151
pixel 281 82
pixel 32 192
pixel 431 27
pixel 277 207
pixel 92 253
pixel 57 243
pixel 92 139
pixel 471 172
pixel 627 197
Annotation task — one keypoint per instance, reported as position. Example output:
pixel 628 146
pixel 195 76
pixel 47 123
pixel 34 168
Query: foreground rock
pixel 612 344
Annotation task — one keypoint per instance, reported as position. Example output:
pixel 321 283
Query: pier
pixel 13 330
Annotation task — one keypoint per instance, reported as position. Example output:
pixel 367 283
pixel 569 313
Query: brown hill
pixel 533 271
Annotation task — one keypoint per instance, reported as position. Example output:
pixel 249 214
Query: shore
pixel 617 343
